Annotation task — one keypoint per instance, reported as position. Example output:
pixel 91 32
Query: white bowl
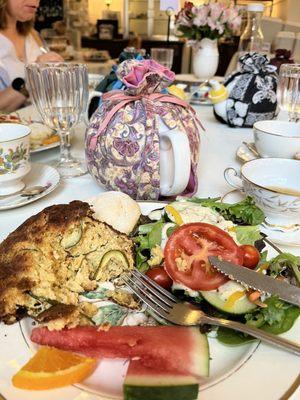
pixel 274 184
pixel 280 139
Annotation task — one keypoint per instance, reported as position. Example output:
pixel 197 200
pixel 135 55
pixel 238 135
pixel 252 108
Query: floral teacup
pixel 14 157
pixel 274 183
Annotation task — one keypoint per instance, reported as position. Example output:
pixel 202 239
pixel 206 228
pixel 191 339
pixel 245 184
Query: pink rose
pixel 201 14
pixel 216 10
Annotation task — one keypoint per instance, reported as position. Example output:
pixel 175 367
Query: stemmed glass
pixel 288 90
pixel 59 91
pixel 163 56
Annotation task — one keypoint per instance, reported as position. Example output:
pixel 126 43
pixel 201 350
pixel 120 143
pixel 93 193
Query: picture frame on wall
pixel 107 29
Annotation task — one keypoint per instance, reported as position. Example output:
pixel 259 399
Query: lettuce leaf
pixel 247 234
pixel 287 265
pixel 243 213
pixel 278 317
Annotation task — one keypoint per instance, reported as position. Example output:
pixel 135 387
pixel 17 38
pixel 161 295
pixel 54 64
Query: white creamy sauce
pixel 193 212
pixel 164 236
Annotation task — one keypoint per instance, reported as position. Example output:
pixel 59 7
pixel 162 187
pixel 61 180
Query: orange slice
pixel 51 368
pixel 50 140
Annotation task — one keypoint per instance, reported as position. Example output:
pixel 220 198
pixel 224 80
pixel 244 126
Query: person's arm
pixel 11 100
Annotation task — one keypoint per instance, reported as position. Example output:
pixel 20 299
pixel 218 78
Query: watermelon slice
pixel 178 349
pixel 148 383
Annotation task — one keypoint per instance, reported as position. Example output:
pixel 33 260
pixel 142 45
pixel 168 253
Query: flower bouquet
pixel 202 26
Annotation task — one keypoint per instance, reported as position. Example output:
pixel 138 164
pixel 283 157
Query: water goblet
pixel 59 91
pixel 163 56
pixel 288 90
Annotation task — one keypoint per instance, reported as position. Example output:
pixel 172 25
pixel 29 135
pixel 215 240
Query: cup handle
pixel 177 178
pixel 235 182
pixel 91 96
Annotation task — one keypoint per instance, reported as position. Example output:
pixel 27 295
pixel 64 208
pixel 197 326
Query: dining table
pixel 218 147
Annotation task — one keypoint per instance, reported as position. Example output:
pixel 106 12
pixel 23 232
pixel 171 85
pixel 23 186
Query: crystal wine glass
pixel 288 90
pixel 59 91
pixel 163 56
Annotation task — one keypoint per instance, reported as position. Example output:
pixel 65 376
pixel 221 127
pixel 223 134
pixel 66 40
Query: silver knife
pixel 254 280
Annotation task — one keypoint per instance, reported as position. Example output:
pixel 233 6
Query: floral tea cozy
pixel 122 140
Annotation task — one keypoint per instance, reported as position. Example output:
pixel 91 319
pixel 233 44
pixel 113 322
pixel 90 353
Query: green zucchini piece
pixel 111 256
pixel 241 306
pixel 71 238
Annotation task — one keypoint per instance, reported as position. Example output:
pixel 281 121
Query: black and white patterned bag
pixel 252 92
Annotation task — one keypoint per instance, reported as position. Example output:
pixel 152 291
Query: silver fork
pixel 168 307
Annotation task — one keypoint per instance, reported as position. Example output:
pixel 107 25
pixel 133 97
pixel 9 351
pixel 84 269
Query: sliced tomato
pixel 187 250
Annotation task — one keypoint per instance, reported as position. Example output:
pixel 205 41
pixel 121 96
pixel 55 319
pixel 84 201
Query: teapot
pixel 141 140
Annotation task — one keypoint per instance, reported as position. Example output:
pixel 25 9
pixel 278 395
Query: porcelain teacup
pixel 14 157
pixel 277 138
pixel 274 183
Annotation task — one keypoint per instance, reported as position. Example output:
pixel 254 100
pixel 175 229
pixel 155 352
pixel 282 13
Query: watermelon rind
pixel 153 387
pixel 178 392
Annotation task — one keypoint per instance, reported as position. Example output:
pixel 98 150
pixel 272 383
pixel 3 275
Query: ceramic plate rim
pixel 46 147
pixel 39 196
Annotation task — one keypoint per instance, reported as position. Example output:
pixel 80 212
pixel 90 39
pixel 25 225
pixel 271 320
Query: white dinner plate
pixel 39 175
pixel 252 371
pixel 46 147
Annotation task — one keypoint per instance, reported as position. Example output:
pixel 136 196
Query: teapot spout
pixel 218 96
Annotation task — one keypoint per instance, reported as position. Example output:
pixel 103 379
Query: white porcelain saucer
pixel 280 237
pixel 40 175
pixel 243 154
pixel 277 236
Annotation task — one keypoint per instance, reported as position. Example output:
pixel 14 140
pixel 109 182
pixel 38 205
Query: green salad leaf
pixel 245 212
pixel 149 236
pixel 278 317
pixel 233 338
pixel 287 265
pixel 247 234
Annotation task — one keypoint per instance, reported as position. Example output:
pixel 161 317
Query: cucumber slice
pixel 72 237
pixel 111 256
pixel 240 306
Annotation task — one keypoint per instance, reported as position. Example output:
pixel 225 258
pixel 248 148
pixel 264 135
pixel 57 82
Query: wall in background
pixel 288 10
pixel 293 11
pixel 97 6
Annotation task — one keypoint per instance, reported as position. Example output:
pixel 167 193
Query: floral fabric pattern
pixel 125 156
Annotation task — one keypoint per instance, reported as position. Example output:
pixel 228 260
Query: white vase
pixel 205 58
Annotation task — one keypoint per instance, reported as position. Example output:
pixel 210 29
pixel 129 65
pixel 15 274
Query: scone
pixel 116 208
pixel 53 257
